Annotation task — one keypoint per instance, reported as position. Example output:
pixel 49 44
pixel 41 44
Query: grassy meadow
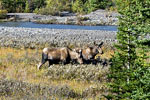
pixel 20 78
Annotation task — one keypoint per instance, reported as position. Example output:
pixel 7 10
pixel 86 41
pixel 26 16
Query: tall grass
pixel 20 66
pixel 3 14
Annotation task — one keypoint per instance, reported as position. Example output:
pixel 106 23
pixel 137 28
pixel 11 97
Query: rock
pixel 98 17
pixel 39 38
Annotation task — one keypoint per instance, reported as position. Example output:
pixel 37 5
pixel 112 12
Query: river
pixel 56 26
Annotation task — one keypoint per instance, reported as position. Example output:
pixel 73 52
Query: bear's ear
pixel 100 45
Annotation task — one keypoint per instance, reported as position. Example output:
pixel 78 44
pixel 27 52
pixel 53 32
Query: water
pixel 56 26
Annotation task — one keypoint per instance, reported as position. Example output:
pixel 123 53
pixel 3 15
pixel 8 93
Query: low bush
pixel 21 90
pixel 54 8
pixel 77 72
pixel 18 71
pixel 82 7
pixel 3 14
pixel 78 7
pixel 47 11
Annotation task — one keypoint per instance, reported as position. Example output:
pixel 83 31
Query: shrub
pixel 92 5
pixel 54 8
pixel 27 7
pixel 103 4
pixel 77 6
pixel 81 6
pixel 3 14
pixel 47 11
pixel 21 5
pixel 13 5
pixel 31 5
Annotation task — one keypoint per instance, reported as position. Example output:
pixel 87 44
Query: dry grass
pixel 88 81
pixel 108 52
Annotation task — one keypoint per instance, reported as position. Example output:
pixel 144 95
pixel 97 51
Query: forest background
pixel 49 7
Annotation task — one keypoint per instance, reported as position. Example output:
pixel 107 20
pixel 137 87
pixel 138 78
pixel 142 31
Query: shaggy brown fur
pixel 56 55
pixel 89 53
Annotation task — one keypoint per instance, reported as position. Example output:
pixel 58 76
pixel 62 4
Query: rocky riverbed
pixel 39 37
pixel 98 17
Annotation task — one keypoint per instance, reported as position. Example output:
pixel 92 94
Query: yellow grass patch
pixel 21 64
pixel 107 53
pixel 15 52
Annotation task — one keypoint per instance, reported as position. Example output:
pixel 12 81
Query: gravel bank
pixel 98 17
pixel 36 37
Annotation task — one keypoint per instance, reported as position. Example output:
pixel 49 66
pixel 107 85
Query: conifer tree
pixel 130 69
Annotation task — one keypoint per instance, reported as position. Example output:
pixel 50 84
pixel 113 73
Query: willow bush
pixel 87 6
pixel 3 14
pixel 92 5
pixel 13 5
pixel 19 6
pixel 78 6
pixel 54 8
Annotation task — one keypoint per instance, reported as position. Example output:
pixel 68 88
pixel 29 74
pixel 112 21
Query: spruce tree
pixel 130 69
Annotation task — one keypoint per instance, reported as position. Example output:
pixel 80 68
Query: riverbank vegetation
pixel 3 14
pixel 54 8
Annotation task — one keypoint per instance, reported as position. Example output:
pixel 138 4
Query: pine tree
pixel 130 69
